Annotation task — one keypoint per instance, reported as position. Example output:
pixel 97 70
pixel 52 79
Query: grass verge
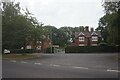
pixel 18 56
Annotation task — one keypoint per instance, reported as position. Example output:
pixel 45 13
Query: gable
pixel 81 34
pixel 94 33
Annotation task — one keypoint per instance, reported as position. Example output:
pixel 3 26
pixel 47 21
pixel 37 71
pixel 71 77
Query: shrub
pixel 23 51
pixel 91 49
pixel 102 44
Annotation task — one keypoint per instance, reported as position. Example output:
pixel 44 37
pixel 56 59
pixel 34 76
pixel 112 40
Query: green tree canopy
pixel 109 24
pixel 16 27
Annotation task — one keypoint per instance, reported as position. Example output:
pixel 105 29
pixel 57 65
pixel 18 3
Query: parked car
pixel 6 51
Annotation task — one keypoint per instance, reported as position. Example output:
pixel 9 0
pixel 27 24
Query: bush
pixel 91 49
pixel 24 51
pixel 102 44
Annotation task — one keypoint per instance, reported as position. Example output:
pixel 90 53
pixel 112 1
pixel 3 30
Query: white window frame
pixel 29 47
pixel 82 39
pixel 94 44
pixel 94 38
pixel 81 44
pixel 38 47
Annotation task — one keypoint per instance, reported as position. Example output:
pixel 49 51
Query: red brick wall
pixel 46 43
pixel 77 42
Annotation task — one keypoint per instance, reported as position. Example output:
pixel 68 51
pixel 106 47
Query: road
pixel 63 66
pixel 0 68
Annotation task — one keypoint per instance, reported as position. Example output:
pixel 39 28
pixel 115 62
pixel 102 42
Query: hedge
pixel 48 50
pixel 24 51
pixel 91 49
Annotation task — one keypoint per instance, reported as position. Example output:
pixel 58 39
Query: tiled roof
pixel 94 33
pixel 81 33
pixel 87 33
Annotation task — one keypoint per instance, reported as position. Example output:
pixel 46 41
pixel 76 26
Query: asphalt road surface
pixel 0 68
pixel 63 66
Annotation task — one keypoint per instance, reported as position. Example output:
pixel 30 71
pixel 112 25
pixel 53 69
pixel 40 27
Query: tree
pixel 56 35
pixel 16 27
pixel 102 28
pixel 110 22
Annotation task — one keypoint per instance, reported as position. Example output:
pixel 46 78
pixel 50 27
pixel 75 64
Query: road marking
pixel 13 61
pixel 51 64
pixel 80 67
pixel 23 62
pixel 112 70
pixel 37 63
pixel 55 65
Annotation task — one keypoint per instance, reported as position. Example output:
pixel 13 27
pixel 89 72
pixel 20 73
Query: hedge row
pixel 91 49
pixel 48 50
pixel 24 51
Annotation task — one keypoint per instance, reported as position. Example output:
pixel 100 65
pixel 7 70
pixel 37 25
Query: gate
pixel 59 51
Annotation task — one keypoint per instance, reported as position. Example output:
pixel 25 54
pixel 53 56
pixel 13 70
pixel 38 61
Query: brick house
pixel 46 42
pixel 87 38
pixel 38 45
pixel 30 44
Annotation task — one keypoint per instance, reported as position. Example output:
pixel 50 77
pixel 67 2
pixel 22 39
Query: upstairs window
pixel 81 38
pixel 94 38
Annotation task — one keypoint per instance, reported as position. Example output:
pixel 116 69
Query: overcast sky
pixel 61 13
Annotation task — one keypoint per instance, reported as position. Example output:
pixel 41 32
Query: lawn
pixel 18 56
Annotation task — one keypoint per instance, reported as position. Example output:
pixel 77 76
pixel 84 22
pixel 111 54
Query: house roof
pixel 88 34
pixel 81 33
pixel 94 33
pixel 98 32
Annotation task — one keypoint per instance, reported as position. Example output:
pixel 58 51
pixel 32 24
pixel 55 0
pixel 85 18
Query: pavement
pixel 63 66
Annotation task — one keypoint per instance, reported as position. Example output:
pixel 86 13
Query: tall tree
pixel 16 27
pixel 56 35
pixel 110 22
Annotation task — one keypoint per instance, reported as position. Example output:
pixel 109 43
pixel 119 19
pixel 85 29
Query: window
pixel 94 38
pixel 94 44
pixel 28 47
pixel 81 38
pixel 81 45
pixel 38 47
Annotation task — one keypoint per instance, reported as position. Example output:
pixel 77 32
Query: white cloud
pixel 65 12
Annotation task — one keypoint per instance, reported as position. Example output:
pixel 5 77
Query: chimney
pixel 92 29
pixel 87 28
